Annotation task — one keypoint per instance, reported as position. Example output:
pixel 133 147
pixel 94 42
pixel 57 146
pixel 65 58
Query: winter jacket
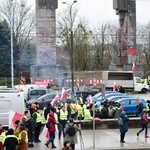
pixel 52 122
pixel 124 127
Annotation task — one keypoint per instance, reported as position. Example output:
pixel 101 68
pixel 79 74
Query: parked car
pixel 102 99
pixel 115 98
pixel 96 96
pixel 129 104
pixel 43 100
pixel 35 93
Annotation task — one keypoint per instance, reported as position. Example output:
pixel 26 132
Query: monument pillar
pixel 46 66
pixel 126 10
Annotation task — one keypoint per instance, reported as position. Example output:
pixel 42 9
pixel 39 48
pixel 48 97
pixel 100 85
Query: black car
pixel 43 100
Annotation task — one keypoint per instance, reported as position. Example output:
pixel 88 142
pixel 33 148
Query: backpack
pixel 120 121
pixel 71 130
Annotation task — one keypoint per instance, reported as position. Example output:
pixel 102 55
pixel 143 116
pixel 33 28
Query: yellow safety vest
pixel 87 115
pixel 2 136
pixel 147 107
pixel 8 136
pixel 63 115
pixel 80 110
pixel 72 109
pixel 43 120
pixel 19 137
pixel 38 118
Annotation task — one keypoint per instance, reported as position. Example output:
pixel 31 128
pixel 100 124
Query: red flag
pixel 13 116
pixel 114 86
pixel 57 98
pixel 133 68
pixel 63 94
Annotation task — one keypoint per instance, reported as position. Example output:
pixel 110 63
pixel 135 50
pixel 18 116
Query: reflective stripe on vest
pixel 2 136
pixel 26 139
pixel 9 136
pixel 38 118
pixel 63 115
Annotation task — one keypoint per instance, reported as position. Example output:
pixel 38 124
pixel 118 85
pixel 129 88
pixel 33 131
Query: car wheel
pixel 143 91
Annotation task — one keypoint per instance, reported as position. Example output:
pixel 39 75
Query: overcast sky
pixel 101 11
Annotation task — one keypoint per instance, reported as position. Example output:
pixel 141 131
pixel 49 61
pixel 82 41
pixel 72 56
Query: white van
pixel 10 100
pixel 25 88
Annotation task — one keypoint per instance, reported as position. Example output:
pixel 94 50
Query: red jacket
pixel 52 122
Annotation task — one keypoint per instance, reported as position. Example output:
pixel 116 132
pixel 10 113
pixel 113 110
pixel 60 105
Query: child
pixel 67 145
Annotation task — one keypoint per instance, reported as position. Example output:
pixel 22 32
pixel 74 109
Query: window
pixel 41 92
pixel 134 101
pixel 34 92
pixel 125 102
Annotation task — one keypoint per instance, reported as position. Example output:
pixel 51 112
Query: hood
pixel 51 114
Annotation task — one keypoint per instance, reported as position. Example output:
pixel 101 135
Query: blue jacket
pixel 124 127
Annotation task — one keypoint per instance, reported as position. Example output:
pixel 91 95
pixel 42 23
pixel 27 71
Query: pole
pixel 72 64
pixel 12 45
pixel 93 126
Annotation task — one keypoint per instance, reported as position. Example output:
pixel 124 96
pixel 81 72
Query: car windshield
pixel 46 96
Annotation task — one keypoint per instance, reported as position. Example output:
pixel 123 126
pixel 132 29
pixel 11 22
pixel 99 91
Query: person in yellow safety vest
pixel 62 118
pixel 10 140
pixel 87 114
pixel 146 81
pixel 74 111
pixel 37 117
pixel 23 138
pixel 24 117
pixel 80 111
pixel 148 107
pixel 43 119
pixel 2 137
pixel 117 109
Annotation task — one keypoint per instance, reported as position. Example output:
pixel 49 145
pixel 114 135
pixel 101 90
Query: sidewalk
pixel 108 139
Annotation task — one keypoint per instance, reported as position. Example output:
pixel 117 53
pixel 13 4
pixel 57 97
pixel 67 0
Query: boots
pixel 53 146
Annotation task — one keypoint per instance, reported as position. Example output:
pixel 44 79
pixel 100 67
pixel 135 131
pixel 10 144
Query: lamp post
pixel 71 46
pixel 12 45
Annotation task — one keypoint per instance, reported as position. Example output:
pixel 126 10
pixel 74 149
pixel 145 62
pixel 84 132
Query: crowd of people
pixel 27 130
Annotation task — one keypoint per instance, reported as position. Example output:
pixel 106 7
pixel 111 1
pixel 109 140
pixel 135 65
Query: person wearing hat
pixel 124 126
pixel 144 123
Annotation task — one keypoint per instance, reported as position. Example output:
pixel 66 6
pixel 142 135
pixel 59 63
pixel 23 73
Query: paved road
pixel 104 139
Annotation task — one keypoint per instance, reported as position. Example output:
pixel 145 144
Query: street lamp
pixel 12 45
pixel 71 38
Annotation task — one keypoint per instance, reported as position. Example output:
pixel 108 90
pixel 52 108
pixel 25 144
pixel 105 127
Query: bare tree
pixel 67 22
pixel 23 21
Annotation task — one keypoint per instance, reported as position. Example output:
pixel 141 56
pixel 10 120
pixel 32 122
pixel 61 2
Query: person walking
pixel 71 130
pixel 144 123
pixel 51 130
pixel 124 126
pixel 62 118
pixel 139 108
